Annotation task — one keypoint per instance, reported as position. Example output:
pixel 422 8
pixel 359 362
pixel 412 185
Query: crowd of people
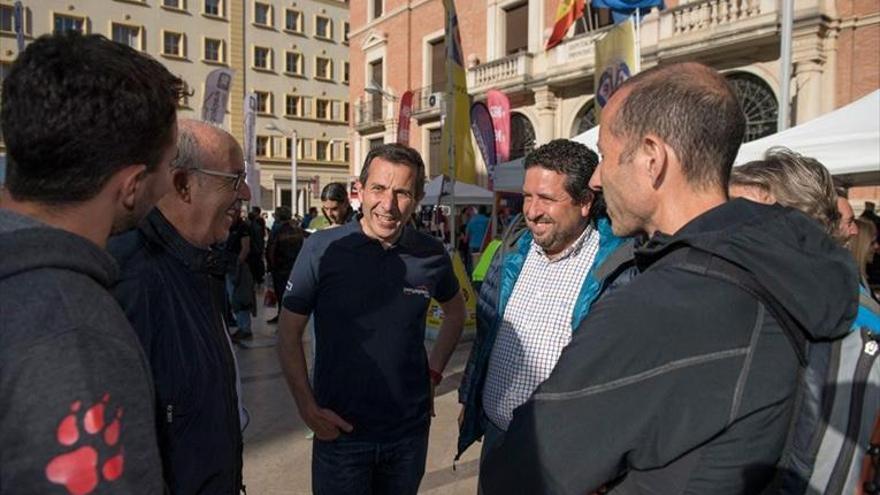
pixel 656 321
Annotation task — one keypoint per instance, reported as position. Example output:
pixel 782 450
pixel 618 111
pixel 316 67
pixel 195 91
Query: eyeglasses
pixel 237 179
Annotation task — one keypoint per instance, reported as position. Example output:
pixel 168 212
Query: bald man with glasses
pixel 172 291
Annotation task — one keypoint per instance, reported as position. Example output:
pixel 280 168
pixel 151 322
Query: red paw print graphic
pixel 77 470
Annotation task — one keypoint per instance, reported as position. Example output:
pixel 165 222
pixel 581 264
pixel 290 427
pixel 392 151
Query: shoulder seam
pixel 23 349
pixel 645 375
pixel 747 363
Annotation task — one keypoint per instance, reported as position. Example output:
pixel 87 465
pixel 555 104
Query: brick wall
pixel 858 50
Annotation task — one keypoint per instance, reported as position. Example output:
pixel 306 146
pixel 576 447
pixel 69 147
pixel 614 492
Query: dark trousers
pixel 344 467
pixel 279 283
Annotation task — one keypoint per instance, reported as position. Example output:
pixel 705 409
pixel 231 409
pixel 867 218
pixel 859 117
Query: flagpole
pixel 453 234
pixel 589 16
pixel 449 120
pixel 638 41
pixel 785 59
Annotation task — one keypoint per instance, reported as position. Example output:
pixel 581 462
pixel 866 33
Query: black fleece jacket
pixel 172 292
pixel 679 383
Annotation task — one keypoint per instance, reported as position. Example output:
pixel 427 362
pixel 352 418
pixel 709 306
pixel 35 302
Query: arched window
pixel 758 104
pixel 585 120
pixel 522 136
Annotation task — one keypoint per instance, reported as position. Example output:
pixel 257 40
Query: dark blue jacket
pixel 172 292
pixel 494 294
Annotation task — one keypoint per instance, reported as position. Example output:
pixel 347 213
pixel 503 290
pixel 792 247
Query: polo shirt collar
pixel 405 240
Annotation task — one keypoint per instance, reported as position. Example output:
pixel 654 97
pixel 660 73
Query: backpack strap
pixel 789 473
pixel 703 263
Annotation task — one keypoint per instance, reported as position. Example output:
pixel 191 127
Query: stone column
pixel 545 106
pixel 810 59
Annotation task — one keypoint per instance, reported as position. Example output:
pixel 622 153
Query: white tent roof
pixel 846 141
pixel 465 194
pixel 589 138
pixel 509 176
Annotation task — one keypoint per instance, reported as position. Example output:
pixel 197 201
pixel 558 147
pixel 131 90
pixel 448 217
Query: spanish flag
pixel 458 156
pixel 567 12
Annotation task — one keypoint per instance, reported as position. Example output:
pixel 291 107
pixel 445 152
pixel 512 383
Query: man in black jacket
pixel 172 292
pixel 679 382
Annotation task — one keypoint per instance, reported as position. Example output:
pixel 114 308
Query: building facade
pixel 293 54
pixel 398 45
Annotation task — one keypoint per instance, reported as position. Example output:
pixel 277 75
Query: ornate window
pixel 758 103
pixel 585 120
pixel 522 136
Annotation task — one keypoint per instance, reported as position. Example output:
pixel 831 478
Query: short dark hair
pixel 575 160
pixel 282 214
pixel 401 155
pixel 334 191
pixel 694 109
pixel 78 108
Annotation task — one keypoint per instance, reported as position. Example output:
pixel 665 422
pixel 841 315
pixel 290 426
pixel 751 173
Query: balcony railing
pixel 371 113
pixel 700 15
pixel 506 71
pixel 428 101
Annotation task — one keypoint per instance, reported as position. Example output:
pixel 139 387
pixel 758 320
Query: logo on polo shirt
pixel 417 291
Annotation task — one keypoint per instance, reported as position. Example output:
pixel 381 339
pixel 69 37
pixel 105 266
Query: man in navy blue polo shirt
pixel 368 284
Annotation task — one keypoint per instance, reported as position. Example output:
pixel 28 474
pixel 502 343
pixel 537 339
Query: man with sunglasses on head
pixel 172 291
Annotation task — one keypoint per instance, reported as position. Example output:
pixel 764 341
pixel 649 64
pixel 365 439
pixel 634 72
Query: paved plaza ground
pixel 277 454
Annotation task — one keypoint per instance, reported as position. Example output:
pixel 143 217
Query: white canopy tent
pixel 846 141
pixel 465 194
pixel 509 175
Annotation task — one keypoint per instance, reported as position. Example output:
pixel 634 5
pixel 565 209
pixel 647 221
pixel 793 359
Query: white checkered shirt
pixel 536 325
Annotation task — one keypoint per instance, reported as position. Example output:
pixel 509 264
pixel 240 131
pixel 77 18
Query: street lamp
pixel 293 174
pixel 373 88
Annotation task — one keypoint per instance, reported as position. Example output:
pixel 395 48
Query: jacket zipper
pixel 230 366
pixel 169 413
pixel 870 350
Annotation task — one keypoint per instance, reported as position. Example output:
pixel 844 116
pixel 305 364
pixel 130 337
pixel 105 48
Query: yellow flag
pixel 615 61
pixel 458 152
pixel 435 314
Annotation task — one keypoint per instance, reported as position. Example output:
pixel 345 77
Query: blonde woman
pixel 864 246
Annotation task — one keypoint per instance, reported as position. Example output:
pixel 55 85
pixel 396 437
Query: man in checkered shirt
pixel 538 290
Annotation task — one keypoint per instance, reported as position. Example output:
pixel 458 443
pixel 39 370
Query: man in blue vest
pixel 537 291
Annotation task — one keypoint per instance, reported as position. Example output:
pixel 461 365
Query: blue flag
pixel 621 9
